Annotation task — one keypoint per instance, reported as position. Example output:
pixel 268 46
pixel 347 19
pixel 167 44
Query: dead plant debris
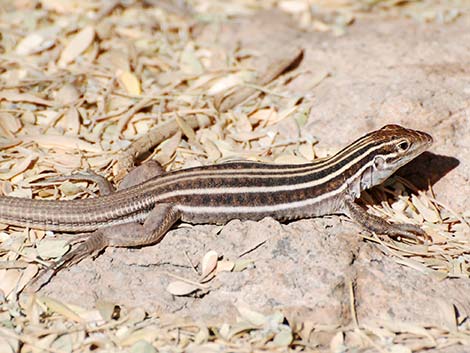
pixel 82 80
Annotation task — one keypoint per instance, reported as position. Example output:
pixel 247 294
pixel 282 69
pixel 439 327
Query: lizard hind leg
pixel 158 222
pixel 132 234
pixel 95 242
pixel 140 174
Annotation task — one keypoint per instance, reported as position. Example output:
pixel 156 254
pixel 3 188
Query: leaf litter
pixel 81 82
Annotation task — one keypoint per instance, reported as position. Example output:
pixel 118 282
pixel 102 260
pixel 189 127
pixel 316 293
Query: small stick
pixel 143 144
pixel 278 66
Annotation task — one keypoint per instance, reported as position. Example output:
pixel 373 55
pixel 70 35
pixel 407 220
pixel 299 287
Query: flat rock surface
pixel 395 71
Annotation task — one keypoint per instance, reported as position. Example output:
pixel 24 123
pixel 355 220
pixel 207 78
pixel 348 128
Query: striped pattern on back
pixel 218 193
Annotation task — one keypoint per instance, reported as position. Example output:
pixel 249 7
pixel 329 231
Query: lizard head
pixel 384 151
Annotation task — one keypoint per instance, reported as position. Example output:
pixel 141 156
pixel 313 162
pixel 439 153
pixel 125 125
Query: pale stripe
pixel 272 208
pixel 301 170
pixel 260 189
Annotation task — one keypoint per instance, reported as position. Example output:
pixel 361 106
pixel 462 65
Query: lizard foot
pixel 92 246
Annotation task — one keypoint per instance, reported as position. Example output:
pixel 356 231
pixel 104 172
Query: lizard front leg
pixel 138 175
pixel 104 186
pixel 380 226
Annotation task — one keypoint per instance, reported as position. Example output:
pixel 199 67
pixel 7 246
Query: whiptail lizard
pixel 142 213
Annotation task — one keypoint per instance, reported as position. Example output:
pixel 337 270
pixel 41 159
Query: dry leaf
pixel 142 347
pixel 252 316
pixel 70 189
pixel 60 308
pixel 62 142
pixel 263 115
pixel 52 248
pixel 401 205
pixel 210 347
pixel 427 212
pixel 181 288
pixel 242 264
pixel 116 59
pixel 106 309
pixel 67 94
pixel 290 159
pixel 27 275
pixel 8 280
pixel 202 335
pixel 129 82
pixel 208 263
pixel 64 342
pixel 167 148
pixel 136 315
pixel 45 341
pixel 8 343
pixel 72 121
pixel 33 43
pixel 186 129
pixel 211 150
pixel 90 316
pixel 306 150
pixel 228 332
pixel 283 114
pixel 22 193
pixel 227 82
pixel 225 266
pixel 224 331
pixel 23 97
pixel 399 348
pixel 246 136
pixel 9 125
pixel 19 167
pixel 76 46
pixel 283 338
pixel 149 334
pixel 337 343
pixel 189 62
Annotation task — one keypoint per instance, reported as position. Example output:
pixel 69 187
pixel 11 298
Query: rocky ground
pixel 323 272
pixel 396 71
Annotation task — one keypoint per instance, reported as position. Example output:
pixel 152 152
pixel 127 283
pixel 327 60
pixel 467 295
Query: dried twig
pixel 143 144
pixel 280 64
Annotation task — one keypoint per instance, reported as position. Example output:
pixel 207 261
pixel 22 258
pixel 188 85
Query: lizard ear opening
pixel 379 163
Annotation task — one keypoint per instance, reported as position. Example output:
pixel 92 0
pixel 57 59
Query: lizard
pixel 152 201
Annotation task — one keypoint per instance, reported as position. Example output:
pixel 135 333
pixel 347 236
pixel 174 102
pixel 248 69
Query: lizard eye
pixel 403 146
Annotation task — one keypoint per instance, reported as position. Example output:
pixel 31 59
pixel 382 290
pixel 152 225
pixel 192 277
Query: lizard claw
pixel 78 238
pixel 104 184
pixel 409 231
pixel 378 225
pixel 90 247
pixel 93 244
